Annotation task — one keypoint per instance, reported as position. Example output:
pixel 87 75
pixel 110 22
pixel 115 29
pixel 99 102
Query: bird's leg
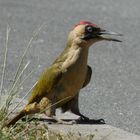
pixel 75 110
pixel 72 105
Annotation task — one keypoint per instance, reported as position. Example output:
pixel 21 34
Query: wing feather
pixel 46 84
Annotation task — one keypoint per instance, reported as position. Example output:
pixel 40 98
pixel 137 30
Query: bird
pixel 60 84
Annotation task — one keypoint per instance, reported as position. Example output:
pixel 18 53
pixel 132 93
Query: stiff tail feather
pixel 15 119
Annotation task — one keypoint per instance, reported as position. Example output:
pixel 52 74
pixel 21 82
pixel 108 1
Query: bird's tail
pixel 15 119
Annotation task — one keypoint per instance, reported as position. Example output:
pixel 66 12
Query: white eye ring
pixel 90 29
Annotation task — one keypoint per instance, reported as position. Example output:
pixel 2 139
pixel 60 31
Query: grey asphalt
pixel 114 91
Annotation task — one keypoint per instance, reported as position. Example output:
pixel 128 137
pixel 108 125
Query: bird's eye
pixel 89 29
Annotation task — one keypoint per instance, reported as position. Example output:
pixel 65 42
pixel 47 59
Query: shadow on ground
pixel 67 121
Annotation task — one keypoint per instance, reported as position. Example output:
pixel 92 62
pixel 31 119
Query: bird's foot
pixel 85 120
pixel 99 121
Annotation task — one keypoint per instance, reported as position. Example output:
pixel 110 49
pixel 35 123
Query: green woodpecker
pixel 59 85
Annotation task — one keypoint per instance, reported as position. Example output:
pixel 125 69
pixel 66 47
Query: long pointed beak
pixel 102 34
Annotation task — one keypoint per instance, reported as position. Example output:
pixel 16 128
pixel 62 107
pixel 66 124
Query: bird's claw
pixel 85 119
pixel 100 121
pixel 90 121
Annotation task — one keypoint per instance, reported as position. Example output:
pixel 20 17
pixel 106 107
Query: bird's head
pixel 86 33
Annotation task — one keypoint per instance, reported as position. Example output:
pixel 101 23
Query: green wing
pixel 46 83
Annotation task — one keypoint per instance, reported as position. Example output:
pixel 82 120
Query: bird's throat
pixel 76 57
